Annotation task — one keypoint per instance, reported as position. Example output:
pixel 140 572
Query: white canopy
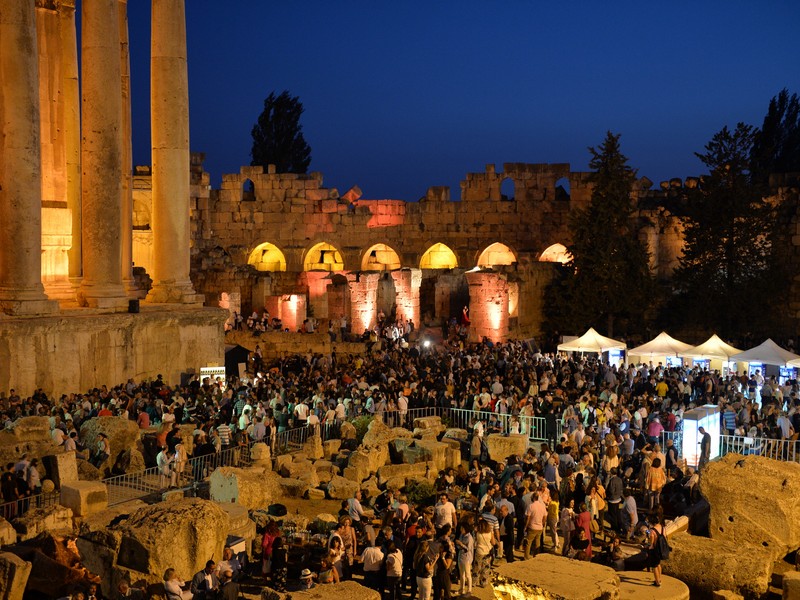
pixel 661 345
pixel 591 341
pixel 713 347
pixel 768 353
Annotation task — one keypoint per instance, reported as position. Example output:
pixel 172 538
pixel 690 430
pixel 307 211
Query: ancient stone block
pixel 239 523
pixel 7 533
pixel 726 595
pixel 379 434
pixel 502 446
pixel 313 447
pixel 296 469
pixel 14 573
pixel 293 488
pixel 763 512
pixel 122 435
pixel 347 431
pixel 315 494
pixel 437 452
pixel 791 585
pixel 61 468
pixel 85 497
pixel 261 456
pixel 182 535
pixel 339 488
pixel 404 471
pixel 455 433
pixel 344 590
pixel 55 518
pixel 556 578
pixel 252 488
pixel 707 565
pixel 331 448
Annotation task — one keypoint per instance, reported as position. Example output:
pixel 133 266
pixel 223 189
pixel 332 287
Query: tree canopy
pixel 608 278
pixel 776 146
pixel 725 278
pixel 278 136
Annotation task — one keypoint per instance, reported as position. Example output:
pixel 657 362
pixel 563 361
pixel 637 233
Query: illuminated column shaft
pixel 72 132
pixel 363 300
pixel 127 152
pixel 101 156
pixel 169 106
pixel 406 284
pixel 488 305
pixel 21 290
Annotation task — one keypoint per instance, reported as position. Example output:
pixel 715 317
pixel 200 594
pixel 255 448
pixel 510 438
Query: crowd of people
pixel 602 476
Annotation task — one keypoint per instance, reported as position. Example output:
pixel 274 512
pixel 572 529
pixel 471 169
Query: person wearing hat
pixel 306 579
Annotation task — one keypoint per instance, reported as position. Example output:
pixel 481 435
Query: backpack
pixel 662 547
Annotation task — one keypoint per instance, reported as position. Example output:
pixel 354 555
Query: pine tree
pixel 724 279
pixel 278 136
pixel 609 276
pixel 776 147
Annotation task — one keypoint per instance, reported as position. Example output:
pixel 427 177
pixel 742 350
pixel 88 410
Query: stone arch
pixel 555 253
pixel 562 189
pixel 508 189
pixel 323 257
pixel 248 190
pixel 267 257
pixel 438 256
pixel 380 257
pixel 495 255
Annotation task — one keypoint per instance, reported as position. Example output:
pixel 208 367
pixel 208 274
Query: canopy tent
pixel 712 348
pixel 768 353
pixel 661 345
pixel 591 341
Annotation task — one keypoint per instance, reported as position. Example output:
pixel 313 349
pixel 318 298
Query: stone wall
pixel 77 352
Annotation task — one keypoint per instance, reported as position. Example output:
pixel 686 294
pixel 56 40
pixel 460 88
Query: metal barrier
pixel 784 450
pixel 17 508
pixel 534 427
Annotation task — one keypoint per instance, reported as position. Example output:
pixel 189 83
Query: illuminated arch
pixel 323 257
pixel 495 255
pixel 438 256
pixel 267 257
pixel 556 253
pixel 380 257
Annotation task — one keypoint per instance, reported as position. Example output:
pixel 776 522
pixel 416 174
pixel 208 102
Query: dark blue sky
pixel 400 96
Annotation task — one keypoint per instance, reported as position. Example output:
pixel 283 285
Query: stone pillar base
pixel 26 303
pixel 174 292
pixel 105 297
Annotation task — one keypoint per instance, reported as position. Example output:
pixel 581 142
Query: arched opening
pixel 438 256
pixel 380 257
pixel 267 257
pixel 507 190
pixel 248 191
pixel 562 189
pixel 556 253
pixel 323 257
pixel 495 255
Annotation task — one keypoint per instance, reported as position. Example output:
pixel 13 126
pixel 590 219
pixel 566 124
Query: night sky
pixel 403 95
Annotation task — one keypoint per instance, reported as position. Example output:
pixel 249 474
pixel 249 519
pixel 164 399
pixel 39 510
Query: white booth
pixel 708 418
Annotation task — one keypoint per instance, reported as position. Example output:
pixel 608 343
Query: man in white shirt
pixel 445 513
pixel 301 413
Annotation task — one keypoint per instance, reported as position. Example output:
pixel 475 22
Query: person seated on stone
pixel 327 573
pixel 229 562
pixel 125 591
pixel 579 545
pixel 205 583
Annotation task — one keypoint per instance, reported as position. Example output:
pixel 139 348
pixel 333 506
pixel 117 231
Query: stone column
pixel 488 305
pixel 363 300
pixel 128 282
pixel 169 123
pixel 101 156
pixel 406 286
pixel 21 290
pixel 71 103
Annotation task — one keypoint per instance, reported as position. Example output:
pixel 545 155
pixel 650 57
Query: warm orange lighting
pixel 380 257
pixel 556 253
pixel 495 255
pixel 438 256
pixel 267 257
pixel 323 257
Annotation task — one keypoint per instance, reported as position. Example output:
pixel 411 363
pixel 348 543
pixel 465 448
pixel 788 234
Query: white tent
pixel 712 348
pixel 768 353
pixel 591 341
pixel 661 345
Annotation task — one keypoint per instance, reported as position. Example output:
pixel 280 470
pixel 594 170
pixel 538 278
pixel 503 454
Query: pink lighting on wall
pixel 488 302
pixel 363 300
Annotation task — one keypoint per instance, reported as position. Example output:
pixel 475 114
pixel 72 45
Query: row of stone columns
pixel 101 223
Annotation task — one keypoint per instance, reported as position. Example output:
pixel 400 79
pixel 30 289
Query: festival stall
pixel 712 354
pixel 591 341
pixel 781 363
pixel 663 349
